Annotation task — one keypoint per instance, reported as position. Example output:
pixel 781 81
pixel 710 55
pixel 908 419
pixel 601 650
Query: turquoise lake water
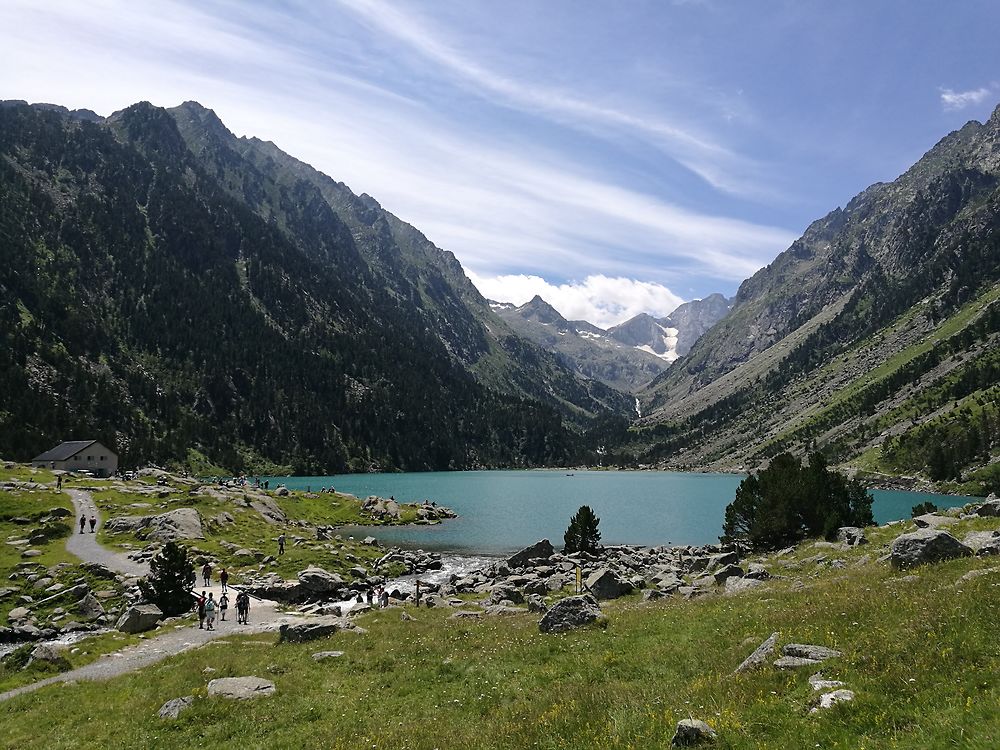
pixel 503 511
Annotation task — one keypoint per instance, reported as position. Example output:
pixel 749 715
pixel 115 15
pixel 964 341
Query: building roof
pixel 64 451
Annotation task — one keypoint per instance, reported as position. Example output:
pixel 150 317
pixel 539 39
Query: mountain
pixel 873 337
pixel 626 356
pixel 673 336
pixel 186 295
pixel 587 349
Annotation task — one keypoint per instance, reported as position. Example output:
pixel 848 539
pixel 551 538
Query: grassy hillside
pixel 918 650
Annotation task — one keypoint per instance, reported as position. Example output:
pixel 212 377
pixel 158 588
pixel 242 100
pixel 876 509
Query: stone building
pixel 79 455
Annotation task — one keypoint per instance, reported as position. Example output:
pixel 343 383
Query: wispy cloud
pixel 697 151
pixel 955 100
pixel 505 206
pixel 602 300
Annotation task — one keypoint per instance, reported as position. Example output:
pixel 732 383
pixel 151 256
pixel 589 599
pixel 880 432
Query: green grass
pixel 251 531
pixel 32 505
pixel 77 655
pixel 920 654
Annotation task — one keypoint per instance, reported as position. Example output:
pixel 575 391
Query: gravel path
pixel 85 545
pixel 170 639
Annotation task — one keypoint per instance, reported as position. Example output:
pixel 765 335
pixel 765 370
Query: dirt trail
pixel 169 639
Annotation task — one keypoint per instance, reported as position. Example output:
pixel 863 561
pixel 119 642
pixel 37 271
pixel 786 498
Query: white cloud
pixel 502 205
pixel 955 100
pixel 602 300
pixel 695 151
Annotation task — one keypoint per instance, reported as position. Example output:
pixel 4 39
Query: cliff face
pixel 855 298
pixel 169 289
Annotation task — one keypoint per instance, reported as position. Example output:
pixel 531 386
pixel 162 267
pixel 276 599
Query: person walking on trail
pixel 210 607
pixel 370 596
pixel 206 575
pixel 58 481
pixel 223 606
pixel 201 611
pixel 242 607
pixel 417 596
pixel 224 580
pixel 83 522
pixel 281 544
pixel 93 523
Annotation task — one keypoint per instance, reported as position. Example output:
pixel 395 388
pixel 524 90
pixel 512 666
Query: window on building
pixel 104 458
pixel 90 458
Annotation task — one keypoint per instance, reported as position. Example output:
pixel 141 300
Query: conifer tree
pixel 583 534
pixel 171 577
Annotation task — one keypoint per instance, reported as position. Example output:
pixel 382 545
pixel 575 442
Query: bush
pixel 920 508
pixel 583 534
pixel 171 578
pixel 789 501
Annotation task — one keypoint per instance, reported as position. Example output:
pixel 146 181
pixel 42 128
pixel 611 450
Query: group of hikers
pixel 83 522
pixel 208 607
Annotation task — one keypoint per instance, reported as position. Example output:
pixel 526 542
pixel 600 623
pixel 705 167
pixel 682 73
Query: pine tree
pixel 171 577
pixel 583 534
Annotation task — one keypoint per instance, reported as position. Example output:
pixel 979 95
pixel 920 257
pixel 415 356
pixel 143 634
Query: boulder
pixel 172 708
pixel 320 581
pixel 933 521
pixel 139 618
pixel 535 603
pixel 809 651
pixel 541 549
pixel 241 688
pixel 505 591
pixel 691 732
pixel 99 570
pixel 925 546
pixel 606 584
pixel 983 542
pixel 794 662
pixel 48 653
pixel 310 630
pixel 852 536
pixel 18 613
pixel 818 682
pixel 324 655
pixel 89 608
pixel 828 700
pixel 728 571
pixel 989 508
pixel 721 560
pixel 180 523
pixel 569 613
pixel 759 657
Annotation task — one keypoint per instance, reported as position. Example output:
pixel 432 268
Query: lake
pixel 503 511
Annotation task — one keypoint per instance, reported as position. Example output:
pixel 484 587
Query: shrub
pixel 171 577
pixel 920 508
pixel 583 534
pixel 789 501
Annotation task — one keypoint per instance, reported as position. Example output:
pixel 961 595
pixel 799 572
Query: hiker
pixel 93 523
pixel 83 522
pixel 210 607
pixel 58 481
pixel 281 544
pixel 242 607
pixel 417 596
pixel 223 606
pixel 383 598
pixel 201 611
pixel 206 575
pixel 224 580
pixel 370 596
pixel 359 599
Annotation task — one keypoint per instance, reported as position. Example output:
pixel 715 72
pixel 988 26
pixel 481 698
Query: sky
pixel 614 157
